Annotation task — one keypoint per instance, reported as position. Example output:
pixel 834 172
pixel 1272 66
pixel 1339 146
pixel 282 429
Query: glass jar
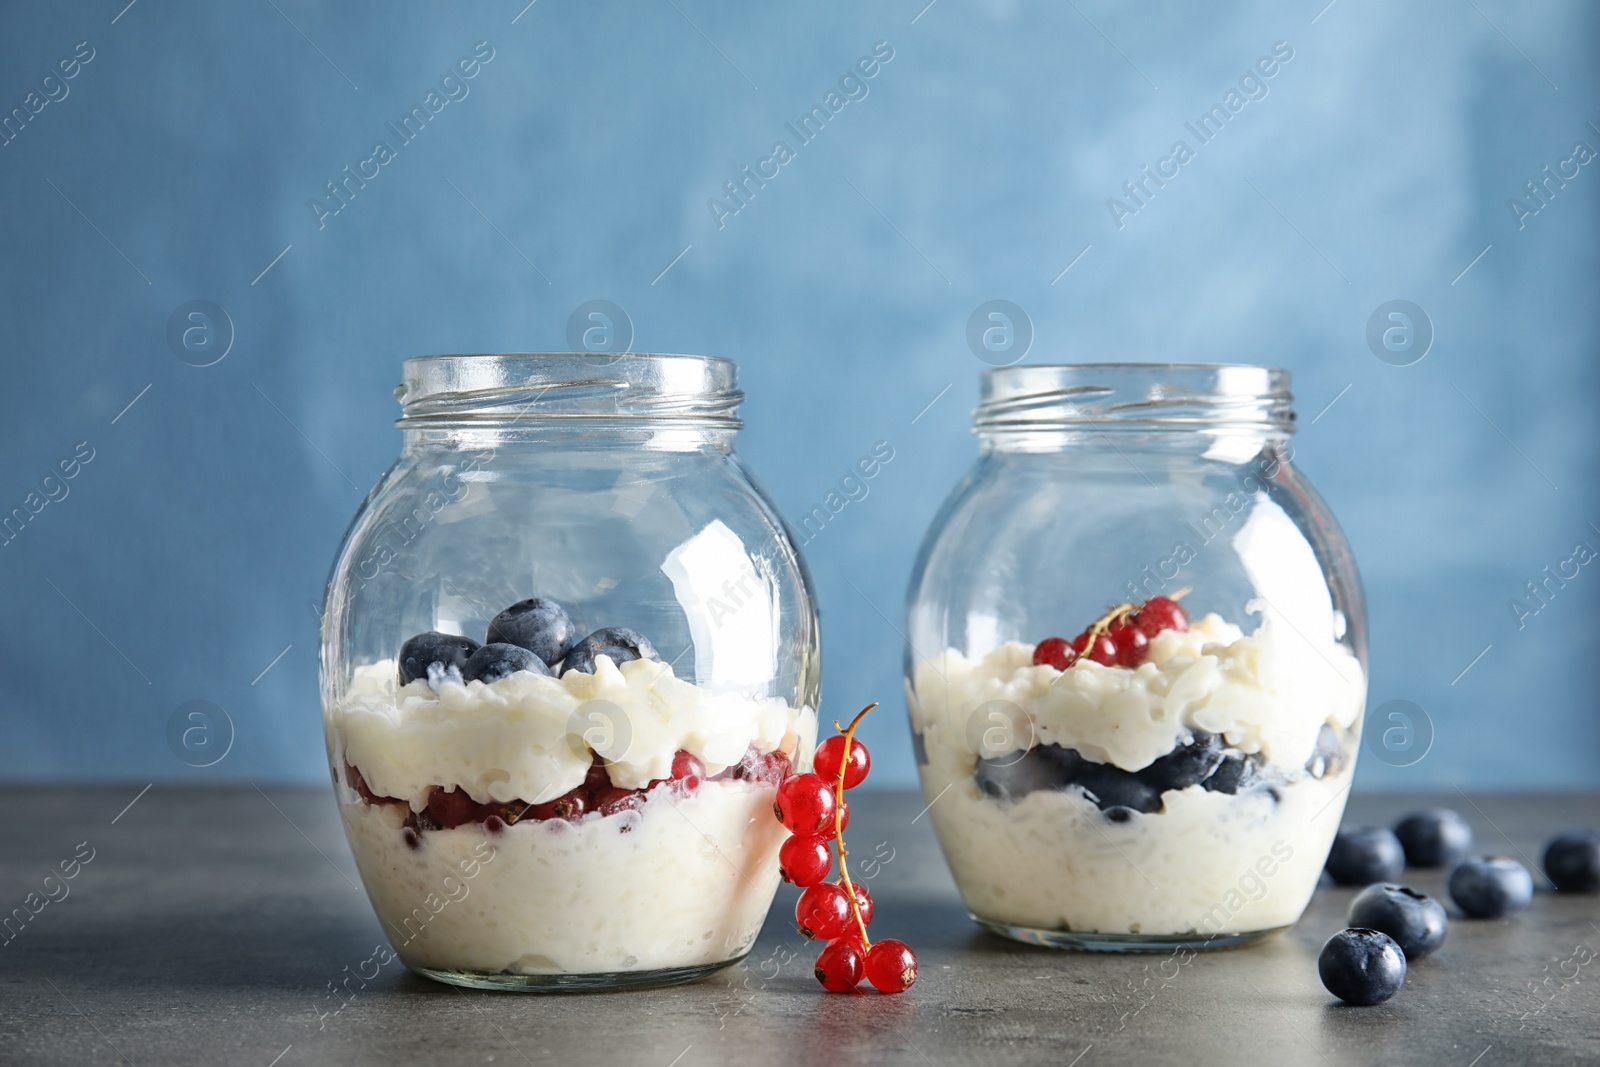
pixel 1179 782
pixel 568 651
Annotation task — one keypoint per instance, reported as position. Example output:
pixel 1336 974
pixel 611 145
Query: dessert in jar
pixel 1136 660
pixel 569 652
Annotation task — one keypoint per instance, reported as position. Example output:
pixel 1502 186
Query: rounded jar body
pixel 1170 771
pixel 534 799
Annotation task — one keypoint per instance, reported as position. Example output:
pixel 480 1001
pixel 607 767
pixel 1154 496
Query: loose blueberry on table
pixel 1362 855
pixel 1437 837
pixel 1572 861
pixel 813 809
pixel 1361 966
pixel 1490 887
pixel 1415 921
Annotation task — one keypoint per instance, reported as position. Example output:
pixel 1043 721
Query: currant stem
pixel 1104 622
pixel 1117 614
pixel 838 818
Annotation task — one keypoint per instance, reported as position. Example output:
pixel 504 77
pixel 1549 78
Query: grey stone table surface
pixel 208 926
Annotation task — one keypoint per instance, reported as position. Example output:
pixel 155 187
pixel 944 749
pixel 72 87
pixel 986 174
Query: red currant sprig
pixel 836 912
pixel 1119 638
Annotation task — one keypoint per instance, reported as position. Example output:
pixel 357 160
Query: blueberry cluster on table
pixel 534 635
pixel 1392 925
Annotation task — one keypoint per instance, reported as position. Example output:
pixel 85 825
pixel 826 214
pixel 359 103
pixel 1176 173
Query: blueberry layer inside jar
pixel 1205 761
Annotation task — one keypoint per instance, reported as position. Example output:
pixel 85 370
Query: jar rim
pixel 498 387
pixel 1138 396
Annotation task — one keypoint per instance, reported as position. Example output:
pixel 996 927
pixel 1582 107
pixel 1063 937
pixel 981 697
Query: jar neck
pixel 1220 443
pixel 574 436
pixel 571 400
pixel 1178 408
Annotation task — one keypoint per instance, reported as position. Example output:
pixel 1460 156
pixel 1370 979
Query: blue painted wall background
pixel 179 161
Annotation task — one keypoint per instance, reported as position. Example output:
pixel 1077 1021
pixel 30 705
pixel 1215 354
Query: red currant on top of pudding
pixel 1056 652
pixel 1104 651
pixel 1120 639
pixel 1161 613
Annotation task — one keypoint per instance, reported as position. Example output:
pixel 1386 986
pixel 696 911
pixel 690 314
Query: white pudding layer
pixel 1210 863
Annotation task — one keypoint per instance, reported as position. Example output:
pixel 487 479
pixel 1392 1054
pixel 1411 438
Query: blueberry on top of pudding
pixel 620 643
pixel 499 660
pixel 541 626
pixel 428 653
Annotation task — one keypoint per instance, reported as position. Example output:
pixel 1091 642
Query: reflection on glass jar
pixel 569 650
pixel 1136 662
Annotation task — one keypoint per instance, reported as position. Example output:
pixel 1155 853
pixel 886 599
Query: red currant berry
pixel 771 767
pixel 686 764
pixel 1103 653
pixel 805 804
pixel 1162 613
pixel 774 767
pixel 596 779
pixel 853 935
pixel 570 806
pixel 1056 652
pixel 841 965
pixel 830 755
pixel 844 818
pixel 451 809
pixel 891 966
pixel 353 778
pixel 611 800
pixel 863 901
pixel 687 773
pixel 804 860
pixel 823 911
pixel 1132 644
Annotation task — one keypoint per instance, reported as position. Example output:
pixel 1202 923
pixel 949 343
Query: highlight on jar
pixel 558 711
pixel 1136 663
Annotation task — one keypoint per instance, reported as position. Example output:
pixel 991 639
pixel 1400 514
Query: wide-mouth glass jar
pixel 1136 662
pixel 569 650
